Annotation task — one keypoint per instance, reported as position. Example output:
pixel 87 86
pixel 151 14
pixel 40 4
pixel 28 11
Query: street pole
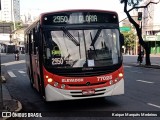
pixel 155 47
pixel 136 45
pixel 12 15
pixel 140 53
pixel 1 94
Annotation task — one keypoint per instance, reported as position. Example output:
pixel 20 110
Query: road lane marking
pixel 157 106
pixel 127 66
pixel 135 71
pixel 21 71
pixel 145 81
pixel 11 74
pixel 13 63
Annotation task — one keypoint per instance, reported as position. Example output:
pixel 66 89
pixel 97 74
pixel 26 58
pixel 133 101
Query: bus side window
pixel 26 43
pixel 33 41
pixel 35 45
pixel 30 43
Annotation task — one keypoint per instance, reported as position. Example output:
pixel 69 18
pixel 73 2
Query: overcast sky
pixel 52 5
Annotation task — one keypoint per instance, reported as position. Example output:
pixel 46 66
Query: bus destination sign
pixel 79 18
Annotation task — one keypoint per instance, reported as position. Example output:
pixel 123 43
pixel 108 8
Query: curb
pixel 19 108
pixel 146 66
pixel 152 66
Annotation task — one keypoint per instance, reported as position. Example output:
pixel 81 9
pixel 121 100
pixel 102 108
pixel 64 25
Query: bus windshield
pixel 66 48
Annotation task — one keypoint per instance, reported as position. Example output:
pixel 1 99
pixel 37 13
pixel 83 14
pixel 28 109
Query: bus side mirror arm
pixel 121 39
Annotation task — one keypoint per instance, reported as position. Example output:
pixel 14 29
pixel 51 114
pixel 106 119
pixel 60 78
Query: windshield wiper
pixel 70 36
pixel 93 44
pixel 96 37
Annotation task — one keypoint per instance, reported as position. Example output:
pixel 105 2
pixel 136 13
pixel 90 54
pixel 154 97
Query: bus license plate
pixel 88 92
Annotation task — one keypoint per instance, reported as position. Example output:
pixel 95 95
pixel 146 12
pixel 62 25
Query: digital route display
pixel 79 18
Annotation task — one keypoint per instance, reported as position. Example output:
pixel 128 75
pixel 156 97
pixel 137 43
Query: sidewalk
pixel 131 60
pixel 9 104
pixel 155 66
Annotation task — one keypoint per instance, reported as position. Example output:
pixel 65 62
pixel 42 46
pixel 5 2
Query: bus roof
pixel 39 19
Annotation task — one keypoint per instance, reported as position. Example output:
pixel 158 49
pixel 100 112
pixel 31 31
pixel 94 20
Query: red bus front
pixel 81 55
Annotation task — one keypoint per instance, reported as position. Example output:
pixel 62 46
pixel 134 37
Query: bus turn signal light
pixel 46 76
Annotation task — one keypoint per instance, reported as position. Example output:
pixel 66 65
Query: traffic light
pixel 139 16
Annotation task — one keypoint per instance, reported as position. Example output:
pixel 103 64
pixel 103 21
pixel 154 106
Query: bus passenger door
pixel 34 62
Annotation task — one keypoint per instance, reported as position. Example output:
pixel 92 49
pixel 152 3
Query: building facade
pixel 10 10
pixel 6 44
pixel 151 26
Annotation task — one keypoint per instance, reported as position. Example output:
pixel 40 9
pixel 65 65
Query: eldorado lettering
pixel 73 80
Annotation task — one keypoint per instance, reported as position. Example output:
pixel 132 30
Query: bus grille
pixel 83 85
pixel 85 73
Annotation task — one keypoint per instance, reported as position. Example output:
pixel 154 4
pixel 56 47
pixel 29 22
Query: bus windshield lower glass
pixel 81 48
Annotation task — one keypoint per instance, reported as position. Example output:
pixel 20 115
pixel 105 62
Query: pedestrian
pixel 140 57
pixel 16 55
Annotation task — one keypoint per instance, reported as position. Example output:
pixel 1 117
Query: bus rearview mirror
pixel 121 39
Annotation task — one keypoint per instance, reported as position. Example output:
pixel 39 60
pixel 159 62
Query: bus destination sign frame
pixel 79 18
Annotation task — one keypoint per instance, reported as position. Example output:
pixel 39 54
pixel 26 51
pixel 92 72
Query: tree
pixel 129 40
pixel 18 25
pixel 134 5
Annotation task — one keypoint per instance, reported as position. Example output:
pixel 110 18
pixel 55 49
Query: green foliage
pixel 129 39
pixel 132 2
pixel 18 25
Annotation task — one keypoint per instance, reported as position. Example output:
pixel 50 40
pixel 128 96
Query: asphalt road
pixel 142 93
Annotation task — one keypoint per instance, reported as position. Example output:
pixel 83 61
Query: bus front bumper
pixel 56 94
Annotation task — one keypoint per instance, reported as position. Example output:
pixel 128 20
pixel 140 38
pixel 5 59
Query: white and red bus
pixel 75 54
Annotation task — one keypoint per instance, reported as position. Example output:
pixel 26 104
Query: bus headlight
pixel 50 80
